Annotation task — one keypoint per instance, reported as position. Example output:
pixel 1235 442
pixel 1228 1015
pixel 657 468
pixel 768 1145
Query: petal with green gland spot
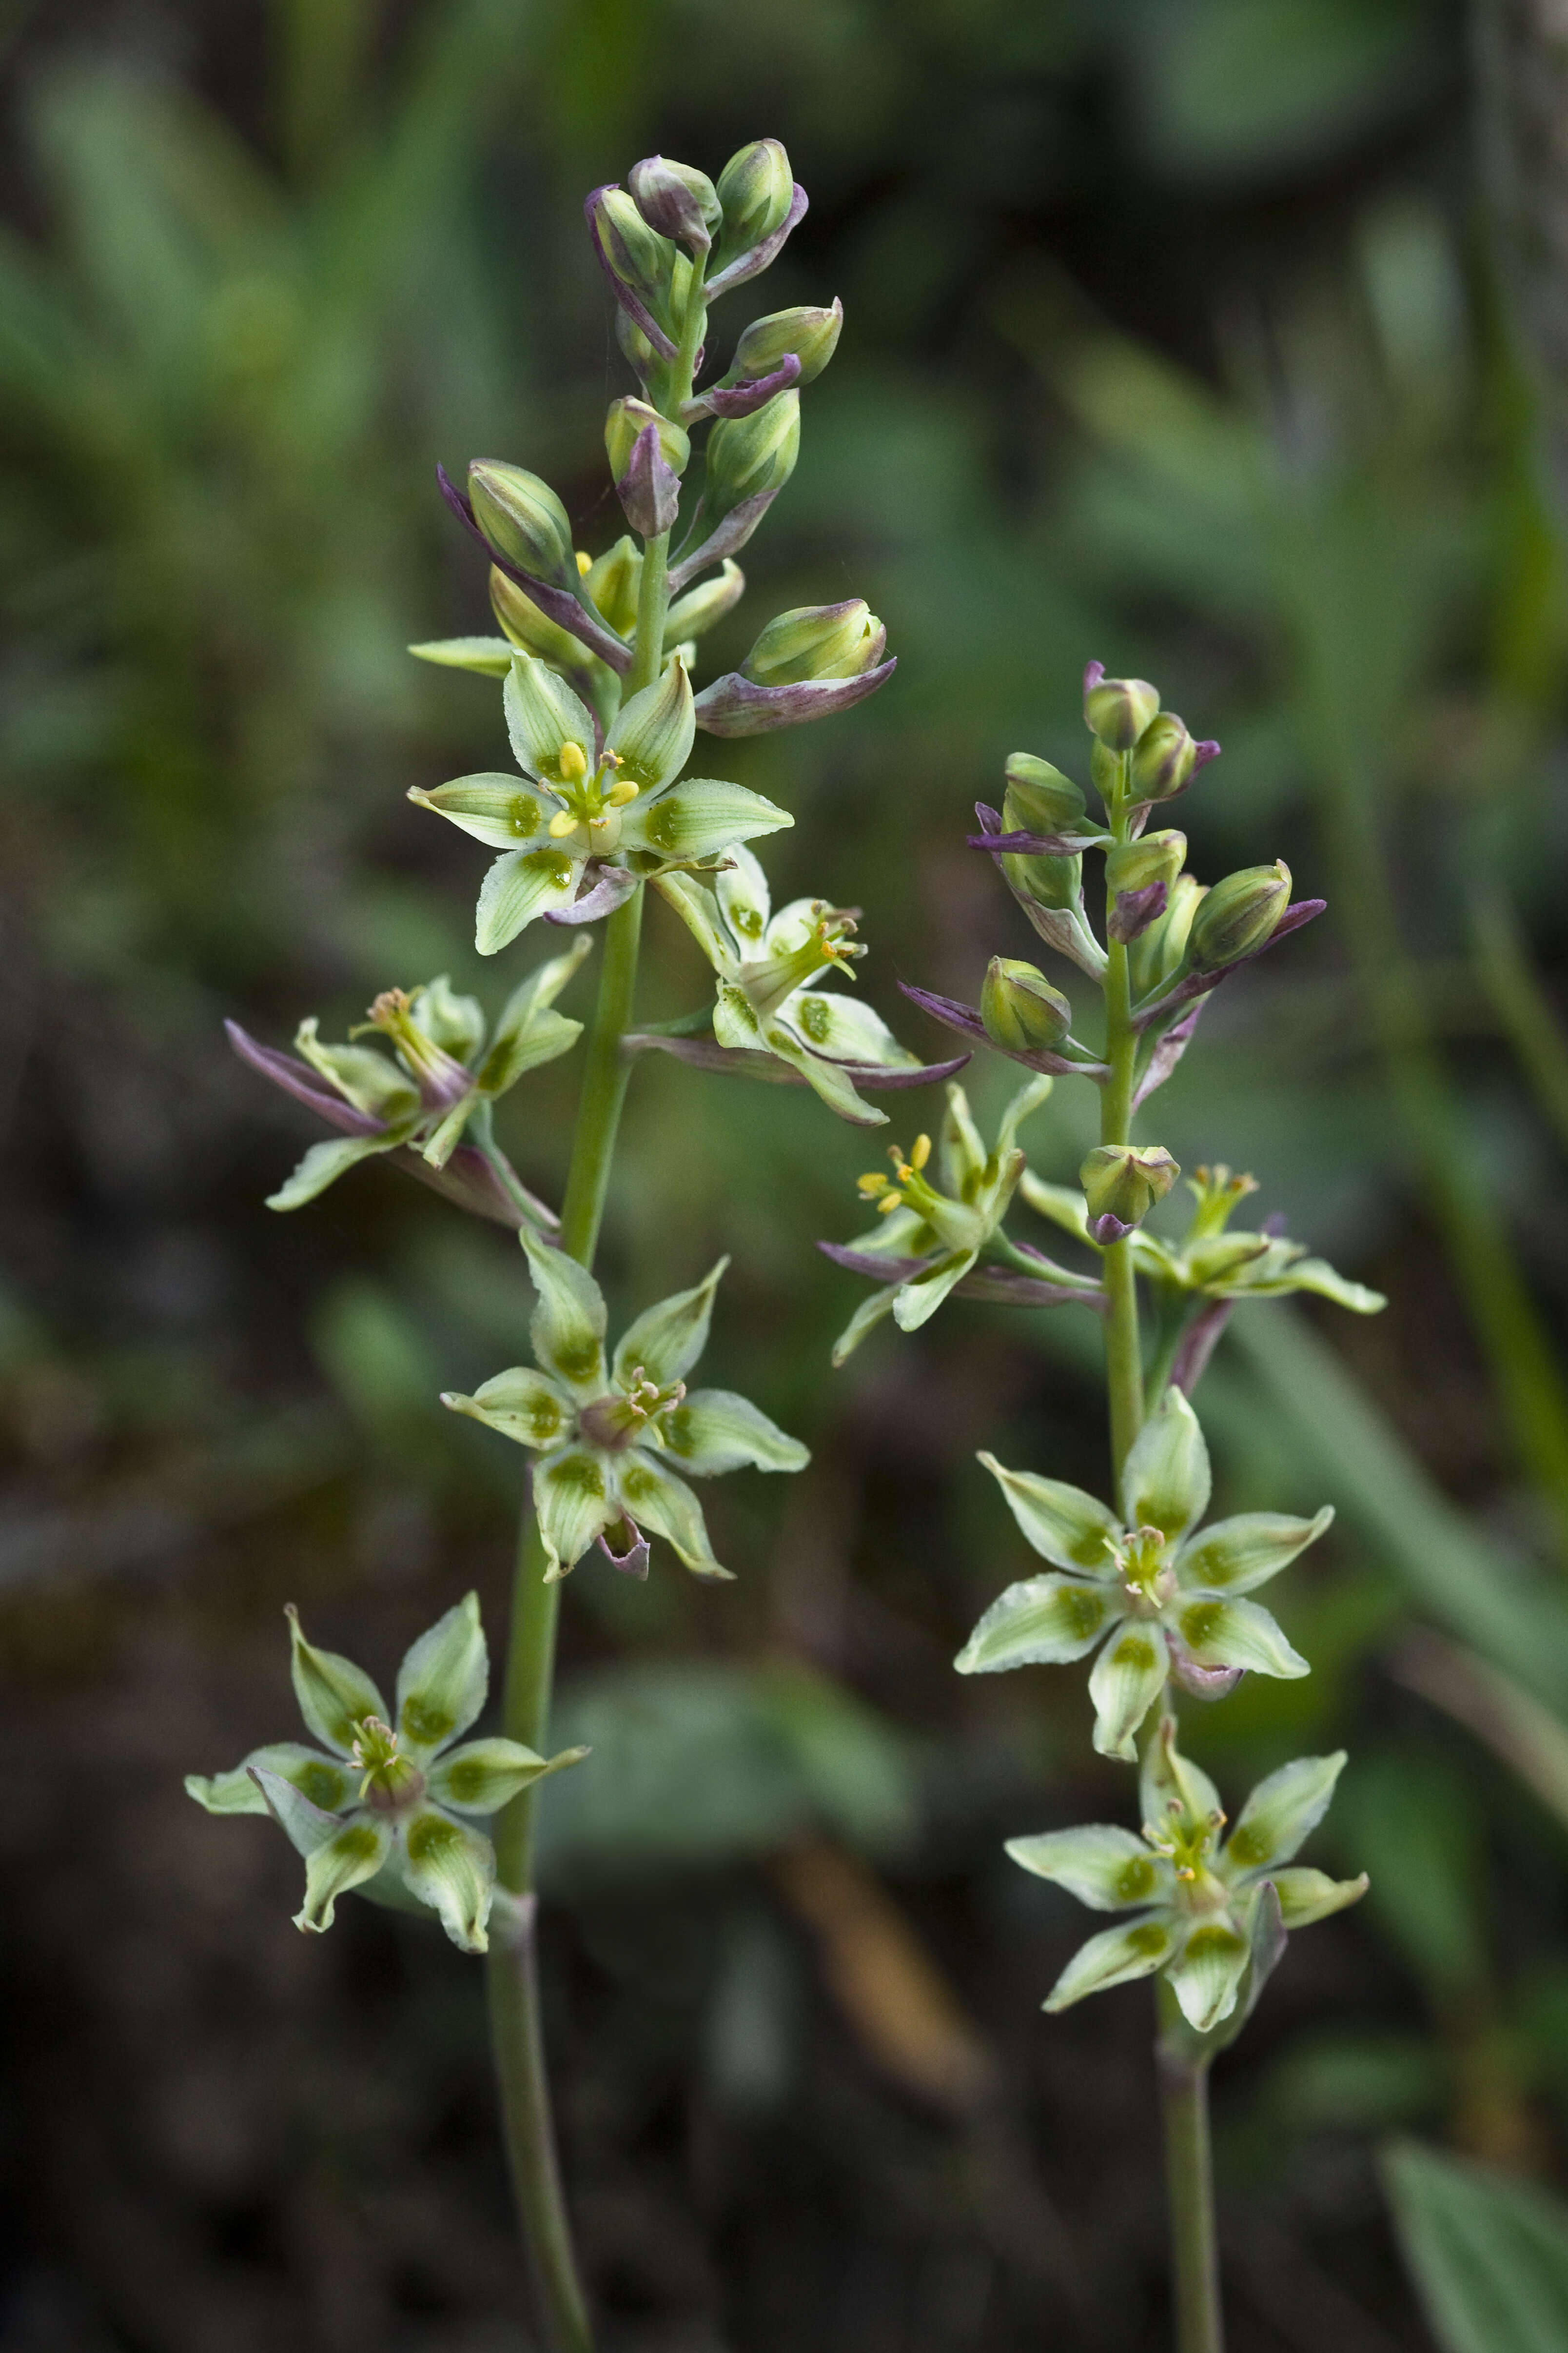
pixel 1165 1482
pixel 1043 1621
pixel 443 1680
pixel 1168 1781
pixel 1106 1867
pixel 1114 1957
pixel 574 1502
pixel 523 1404
pixel 1066 1527
pixel 1237 1635
pixel 543 716
pixel 653 732
pixel 865 1318
pixel 1207 1975
pixel 1306 1896
pixel 327 1785
pixel 338 1855
pixel 548 1036
pixel 1123 1685
pixel 667 1340
pixel 699 910
pixel 373 1082
pixel 452 1868
pixel 334 1695
pixel 1280 1813
pixel 919 1299
pixel 522 886
pixel 735 1024
pixel 714 1430
pixel 660 1502
pixel 828 1022
pixel 501 810
pixel 961 1152
pixel 567 1327
pixel 744 900
pixel 326 1162
pixel 1238 1555
pixel 699 818
pixel 484 1774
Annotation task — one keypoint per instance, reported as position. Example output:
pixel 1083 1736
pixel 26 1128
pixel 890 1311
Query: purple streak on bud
pixel 1135 910
pixel 1006 1288
pixel 748 1062
pixel 306 1085
pixel 558 605
pixel 1108 1229
pixel 604 888
pixel 631 303
pixel 732 705
pixel 469 1180
pixel 633 1562
pixel 1036 845
pixel 734 532
pixel 879 1267
pixel 668 205
pixel 1274 1224
pixel 1201 1683
pixel 743 399
pixel 967 1022
pixel 1092 674
pixel 1197 984
pixel 649 490
pixel 1168 1053
pixel 1199 1341
pixel 747 264
pixel 1204 753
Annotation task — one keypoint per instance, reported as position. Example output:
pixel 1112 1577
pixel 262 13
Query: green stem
pixel 1189 2175
pixel 1123 1368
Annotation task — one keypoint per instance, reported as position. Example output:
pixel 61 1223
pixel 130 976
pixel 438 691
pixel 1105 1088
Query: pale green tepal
pixel 1196 1893
pixel 607 1434
pixel 1161 1595
pixel 382 1811
pixel 575 802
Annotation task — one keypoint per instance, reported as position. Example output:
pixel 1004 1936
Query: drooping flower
pixel 418 1104
pixel 769 1012
pixel 607 1436
pixel 1154 1593
pixel 380 1806
pixel 1196 1892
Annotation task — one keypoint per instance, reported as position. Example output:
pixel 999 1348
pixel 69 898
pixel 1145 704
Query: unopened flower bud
pixel 1165 759
pixel 1157 955
pixel 1116 709
pixel 526 626
pixel 1019 1008
pixel 1040 799
pixel 1121 1183
pixel 1048 881
pixel 811 334
pixel 639 263
pixel 1239 914
pixel 1156 858
pixel 749 457
pixel 678 201
pixel 755 190
pixel 626 419
pixel 816 642
pixel 523 521
pixel 614 581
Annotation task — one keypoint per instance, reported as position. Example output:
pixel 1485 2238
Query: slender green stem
pixel 1123 1368
pixel 1189 2174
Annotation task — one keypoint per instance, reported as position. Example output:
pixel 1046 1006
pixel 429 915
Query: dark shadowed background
pixel 1189 335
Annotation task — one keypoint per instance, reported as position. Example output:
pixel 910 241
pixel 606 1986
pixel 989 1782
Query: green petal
pixel 843 1028
pixel 961 1151
pixel 526 1020
pixel 1114 1957
pixel 334 1695
pixel 1166 1484
pixel 326 1162
pixel 498 810
pixel 1236 1555
pixel 665 1505
pixel 1124 1683
pixel 699 910
pixel 328 1785
pixel 1063 1524
pixel 735 1024
pixel 338 1855
pixel 918 1300
pixel 567 1327
pixel 523 1404
pixel 1044 1621
pixel 1168 1781
pixel 1281 1812
pixel 1237 1635
pixel 743 897
pixel 699 818
pixel 1207 1975
pixel 1105 1867
pixel 655 731
pixel 867 1316
pixel 1315 1274
pixel 667 1340
pixel 1064 1204
pixel 1028 1100
pixel 714 1430
pixel 575 1504
pixel 543 716
pixel 455 1024
pixel 453 1869
pixel 1309 1895
pixel 524 884
pixel 484 1774
pixel 491 657
pixel 443 1680
pixel 373 1082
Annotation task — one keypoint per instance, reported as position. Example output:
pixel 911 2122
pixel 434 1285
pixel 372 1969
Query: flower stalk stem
pixel 1189 2175
pixel 1124 1365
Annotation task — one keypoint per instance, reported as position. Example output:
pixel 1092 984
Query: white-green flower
pixel 766 967
pixel 1153 1591
pixel 607 1434
pixel 1196 1893
pixel 380 1805
pixel 578 800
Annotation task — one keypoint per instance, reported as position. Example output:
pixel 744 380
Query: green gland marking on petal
pixel 1166 1480
pixel 1042 1621
pixel 334 1695
pixel 1238 1634
pixel 1113 1957
pixel 445 1675
pixel 1065 1526
pixel 451 1868
pixel 1124 1683
pixel 1206 1976
pixel 355 1854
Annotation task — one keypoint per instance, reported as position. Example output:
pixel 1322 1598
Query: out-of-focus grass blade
pixel 1529 1739
pixel 1489 2254
pixel 1531 1020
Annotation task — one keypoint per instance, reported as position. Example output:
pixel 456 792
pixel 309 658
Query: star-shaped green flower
pixel 1156 1594
pixel 380 1805
pixel 1196 1892
pixel 607 1436
pixel 609 801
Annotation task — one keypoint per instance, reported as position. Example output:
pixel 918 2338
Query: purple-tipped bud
pixel 1121 1183
pixel 816 642
pixel 680 203
pixel 1116 709
pixel 1165 759
pixel 639 263
pixel 751 457
pixel 734 705
pixel 650 488
pixel 1020 1009
pixel 761 204
pixel 1239 915
pixel 808 334
pixel 523 521
pixel 1156 858
pixel 1040 799
pixel 1134 910
pixel 745 400
pixel 626 420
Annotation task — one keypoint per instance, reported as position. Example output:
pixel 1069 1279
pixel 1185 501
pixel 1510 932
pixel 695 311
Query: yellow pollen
pixel 619 795
pixel 891 1201
pixel 584 564
pixel 573 762
pixel 922 1152
pixel 562 824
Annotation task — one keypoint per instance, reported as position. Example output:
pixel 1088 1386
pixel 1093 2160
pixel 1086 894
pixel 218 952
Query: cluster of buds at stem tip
pixel 1123 715
pixel 1121 1183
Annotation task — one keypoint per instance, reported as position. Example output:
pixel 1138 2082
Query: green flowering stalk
pixel 1162 1603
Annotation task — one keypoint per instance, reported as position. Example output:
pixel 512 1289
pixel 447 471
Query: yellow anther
pixel 872 1184
pixel 573 762
pixel 584 564
pixel 619 795
pixel 891 1201
pixel 922 1152
pixel 562 824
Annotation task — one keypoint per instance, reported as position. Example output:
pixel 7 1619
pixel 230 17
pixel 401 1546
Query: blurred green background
pixel 1218 339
